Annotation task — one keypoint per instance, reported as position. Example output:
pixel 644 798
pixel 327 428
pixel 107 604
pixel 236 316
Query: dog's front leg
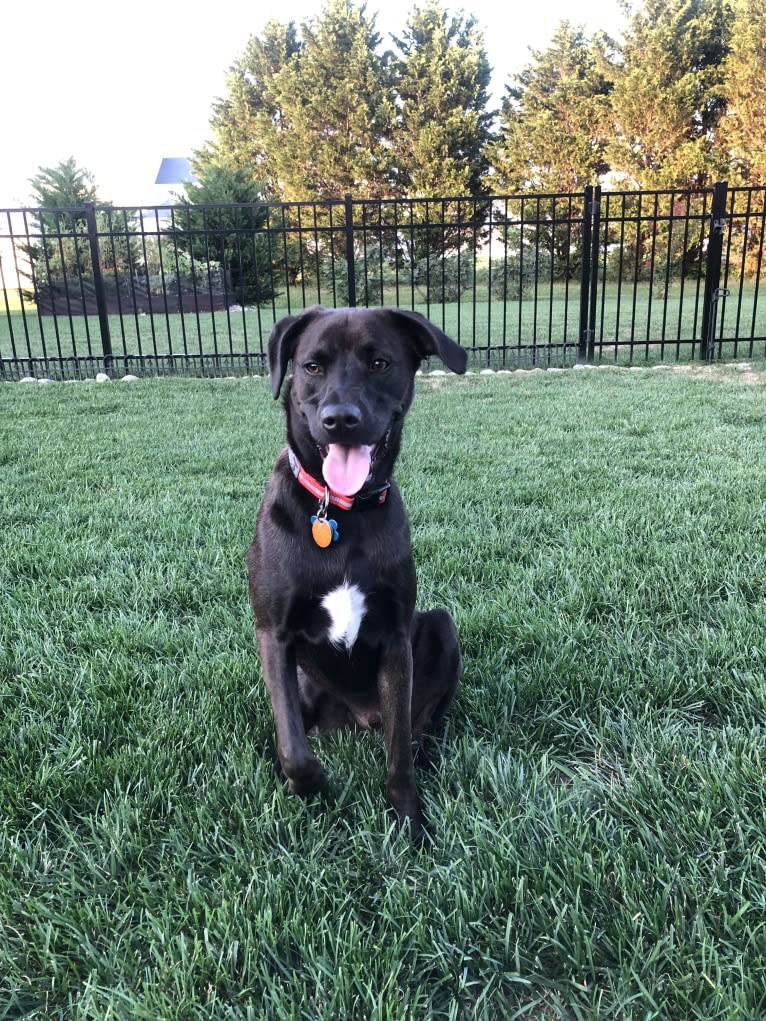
pixel 395 691
pixel 305 773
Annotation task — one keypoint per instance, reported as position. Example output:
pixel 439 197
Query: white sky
pixel 120 85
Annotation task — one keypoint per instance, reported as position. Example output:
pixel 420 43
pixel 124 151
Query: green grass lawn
pixel 600 804
pixel 634 325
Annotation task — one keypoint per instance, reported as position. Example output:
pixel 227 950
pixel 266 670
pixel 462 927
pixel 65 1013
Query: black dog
pixel 332 579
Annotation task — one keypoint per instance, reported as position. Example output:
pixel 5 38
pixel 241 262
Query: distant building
pixel 174 170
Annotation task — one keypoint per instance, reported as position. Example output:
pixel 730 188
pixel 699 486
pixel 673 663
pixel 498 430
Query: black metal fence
pixel 527 280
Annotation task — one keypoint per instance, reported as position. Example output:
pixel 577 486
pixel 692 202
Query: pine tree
pixel 442 80
pixel 64 186
pixel 742 132
pixel 335 110
pixel 61 256
pixel 668 93
pixel 221 223
pixel 321 112
pixel 553 140
pixel 247 121
pixel 553 128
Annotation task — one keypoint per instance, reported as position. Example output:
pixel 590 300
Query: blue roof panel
pixel 174 170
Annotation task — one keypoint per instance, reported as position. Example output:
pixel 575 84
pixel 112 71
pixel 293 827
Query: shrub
pixel 514 276
pixel 443 279
pixel 369 274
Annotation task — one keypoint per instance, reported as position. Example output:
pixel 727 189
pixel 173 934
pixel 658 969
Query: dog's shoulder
pixel 279 500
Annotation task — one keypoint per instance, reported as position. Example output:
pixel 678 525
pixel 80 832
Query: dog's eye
pixel 313 368
pixel 379 364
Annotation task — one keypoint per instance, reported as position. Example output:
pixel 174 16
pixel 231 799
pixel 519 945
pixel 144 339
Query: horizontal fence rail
pixel 524 280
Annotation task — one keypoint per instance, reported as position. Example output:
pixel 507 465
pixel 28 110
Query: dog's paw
pixel 406 805
pixel 416 828
pixel 311 778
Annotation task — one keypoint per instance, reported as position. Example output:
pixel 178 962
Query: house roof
pixel 174 170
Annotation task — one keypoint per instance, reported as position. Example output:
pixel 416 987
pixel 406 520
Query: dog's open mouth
pixel 346 469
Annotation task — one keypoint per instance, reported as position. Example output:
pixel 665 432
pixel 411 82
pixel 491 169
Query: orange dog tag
pixel 321 532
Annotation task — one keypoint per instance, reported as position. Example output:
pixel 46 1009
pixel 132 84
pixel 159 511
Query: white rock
pixel 487 372
pixel 45 381
pixel 101 377
pixel 27 379
pixel 130 379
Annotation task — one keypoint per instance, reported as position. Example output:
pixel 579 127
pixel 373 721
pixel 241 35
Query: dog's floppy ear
pixel 430 340
pixel 283 340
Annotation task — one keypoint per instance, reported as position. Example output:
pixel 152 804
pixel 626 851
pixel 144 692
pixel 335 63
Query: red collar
pixel 372 498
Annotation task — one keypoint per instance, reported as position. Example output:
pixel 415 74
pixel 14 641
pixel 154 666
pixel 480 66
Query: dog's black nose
pixel 337 418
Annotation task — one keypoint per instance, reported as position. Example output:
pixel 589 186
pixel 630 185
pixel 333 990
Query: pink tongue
pixel 345 469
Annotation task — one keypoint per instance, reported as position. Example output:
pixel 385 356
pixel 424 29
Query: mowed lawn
pixel 634 325
pixel 599 808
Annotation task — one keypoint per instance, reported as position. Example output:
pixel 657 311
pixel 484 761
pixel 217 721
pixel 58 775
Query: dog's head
pixel 352 384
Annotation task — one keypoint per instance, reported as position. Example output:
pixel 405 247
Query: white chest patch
pixel 346 606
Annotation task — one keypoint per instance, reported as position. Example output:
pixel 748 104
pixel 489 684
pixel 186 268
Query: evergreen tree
pixel 668 93
pixel 742 132
pixel 221 223
pixel 60 256
pixel 60 192
pixel 249 118
pixel 335 110
pixel 554 118
pixel 323 112
pixel 64 186
pixel 553 141
pixel 442 80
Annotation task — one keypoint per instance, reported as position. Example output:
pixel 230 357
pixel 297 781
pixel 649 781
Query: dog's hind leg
pixel 436 668
pixel 322 713
pixel 395 689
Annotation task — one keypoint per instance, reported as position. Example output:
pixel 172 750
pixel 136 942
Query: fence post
pixel 713 269
pixel 350 262
pixel 595 213
pixel 584 337
pixel 98 284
